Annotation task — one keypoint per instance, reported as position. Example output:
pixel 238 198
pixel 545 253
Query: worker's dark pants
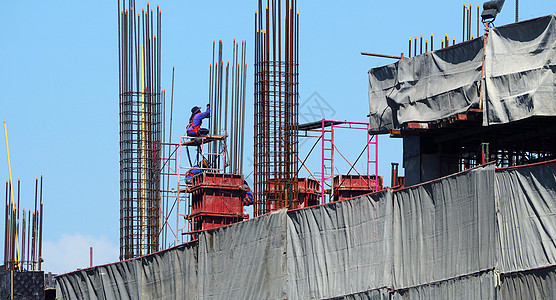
pixel 200 132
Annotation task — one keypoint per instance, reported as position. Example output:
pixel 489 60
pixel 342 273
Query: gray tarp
pixel 520 80
pixel 520 71
pixel 427 87
pixel 536 284
pixel 527 217
pixel 341 248
pixel 475 286
pixel 445 228
pixel 170 274
pixel 449 238
pixel 244 261
pixel 378 294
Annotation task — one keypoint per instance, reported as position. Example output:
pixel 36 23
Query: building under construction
pixel 472 219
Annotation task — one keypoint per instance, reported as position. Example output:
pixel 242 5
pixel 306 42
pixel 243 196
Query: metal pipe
pixel 6 237
pixel 29 241
pixel 469 22
pixel 40 228
pixel 409 47
pixel 478 21
pixel 17 233
pixel 463 23
pixel 516 11
pixel 34 224
pixel 381 55
pixel 23 239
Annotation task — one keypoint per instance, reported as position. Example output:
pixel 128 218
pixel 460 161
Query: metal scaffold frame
pixel 176 165
pixel 329 148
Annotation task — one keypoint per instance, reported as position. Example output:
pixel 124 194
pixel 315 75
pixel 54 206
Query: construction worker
pixel 195 121
pixel 248 197
pixel 195 170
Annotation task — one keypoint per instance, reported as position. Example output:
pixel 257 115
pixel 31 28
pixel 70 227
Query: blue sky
pixel 59 82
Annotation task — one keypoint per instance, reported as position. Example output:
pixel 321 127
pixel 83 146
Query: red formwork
pixel 308 192
pixel 217 180
pixel 216 201
pixel 350 186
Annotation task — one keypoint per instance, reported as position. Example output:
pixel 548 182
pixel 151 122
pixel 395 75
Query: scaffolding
pixel 329 149
pixel 175 166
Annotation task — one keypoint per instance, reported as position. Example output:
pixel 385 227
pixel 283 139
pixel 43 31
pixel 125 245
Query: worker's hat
pixel 195 109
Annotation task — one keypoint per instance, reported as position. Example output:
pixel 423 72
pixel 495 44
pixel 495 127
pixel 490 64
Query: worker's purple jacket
pixel 192 172
pixel 198 118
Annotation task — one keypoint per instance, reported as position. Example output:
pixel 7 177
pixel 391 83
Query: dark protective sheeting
pixel 527 217
pixel 378 294
pixel 245 260
pixel 520 79
pixel 535 284
pixel 27 285
pixel 520 71
pixel 444 228
pixel 340 248
pixel 428 87
pixel 445 239
pixel 476 286
pixel 170 274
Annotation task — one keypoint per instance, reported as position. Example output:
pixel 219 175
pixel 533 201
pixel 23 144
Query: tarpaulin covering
pixel 244 261
pixel 535 284
pixel 527 218
pixel 479 234
pixel 520 81
pixel 170 274
pixel 341 248
pixel 444 228
pixel 427 87
pixel 378 294
pixel 474 286
pixel 520 71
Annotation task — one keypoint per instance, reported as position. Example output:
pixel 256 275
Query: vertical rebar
pixel 141 126
pixel 409 47
pixel 6 238
pixel 478 15
pixel 41 213
pixel 469 22
pixel 23 240
pixel 276 104
pixel 463 23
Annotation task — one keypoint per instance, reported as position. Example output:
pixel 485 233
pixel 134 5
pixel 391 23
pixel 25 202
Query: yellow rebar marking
pixel 143 151
pixel 13 198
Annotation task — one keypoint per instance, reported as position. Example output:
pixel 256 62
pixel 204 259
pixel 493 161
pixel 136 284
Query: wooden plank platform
pixel 199 140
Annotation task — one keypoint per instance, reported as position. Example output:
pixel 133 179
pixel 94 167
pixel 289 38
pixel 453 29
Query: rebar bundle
pixel 22 237
pixel 276 105
pixel 227 101
pixel 140 129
